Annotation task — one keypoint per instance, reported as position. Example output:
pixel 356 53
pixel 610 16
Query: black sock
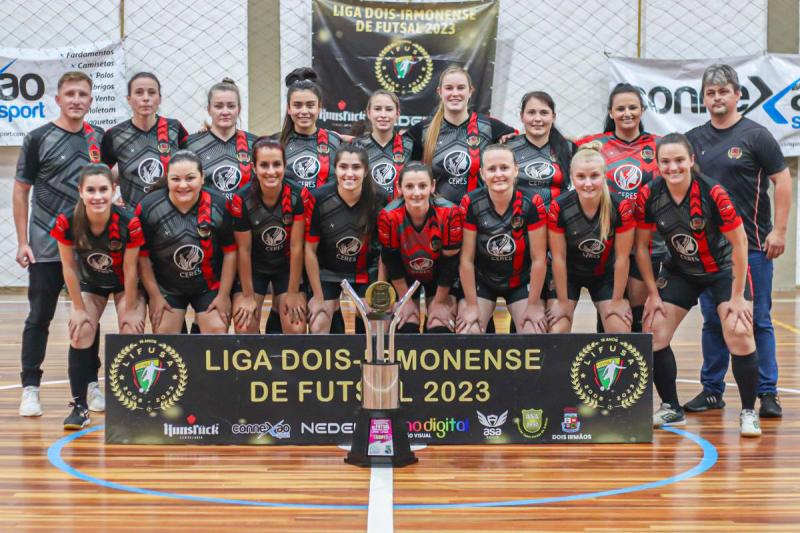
pixel 95 347
pixel 490 326
pixel 437 329
pixel 600 328
pixel 745 372
pixel 360 325
pixel 273 322
pixel 409 327
pixel 636 325
pixel 337 322
pixel 81 371
pixel 665 372
pixel 195 329
pixel 512 328
pixel 184 328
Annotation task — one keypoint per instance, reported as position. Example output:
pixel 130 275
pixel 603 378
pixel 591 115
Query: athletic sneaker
pixel 30 406
pixel 704 401
pixel 770 406
pixel 78 418
pixel 669 416
pixel 749 425
pixel 95 398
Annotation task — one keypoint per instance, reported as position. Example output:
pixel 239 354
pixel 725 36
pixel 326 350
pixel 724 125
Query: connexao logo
pixel 29 86
pixel 777 116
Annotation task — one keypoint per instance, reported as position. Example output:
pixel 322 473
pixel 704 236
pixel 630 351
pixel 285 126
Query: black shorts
pixel 510 295
pixel 657 262
pixel 600 289
pixel 279 280
pixel 332 290
pixel 684 291
pixel 199 302
pixel 105 292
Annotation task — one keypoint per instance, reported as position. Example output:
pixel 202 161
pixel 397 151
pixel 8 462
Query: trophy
pixel 380 437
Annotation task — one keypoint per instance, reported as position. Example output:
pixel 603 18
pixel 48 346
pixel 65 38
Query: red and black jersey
pixel 413 252
pixel 457 158
pixel 186 249
pixel 540 171
pixel 386 162
pixel 692 229
pixel 587 255
pixel 142 156
pixel 270 227
pixel 502 253
pixel 343 251
pixel 742 157
pixel 226 164
pixel 101 264
pixel 309 158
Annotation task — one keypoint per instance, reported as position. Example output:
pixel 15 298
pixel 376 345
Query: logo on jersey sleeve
pixel 404 67
pixel 628 177
pixel 540 173
pixel 100 262
pixel 306 168
pixel 150 170
pixel 592 247
pixel 421 264
pixel 274 237
pixel 226 178
pixel 383 174
pixel 348 248
pixel 457 163
pixel 187 258
pixel 501 246
pixel 685 245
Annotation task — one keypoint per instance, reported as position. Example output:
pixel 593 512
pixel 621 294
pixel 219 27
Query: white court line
pixel 380 514
pixel 54 382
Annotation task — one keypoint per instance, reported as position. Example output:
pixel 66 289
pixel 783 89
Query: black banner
pixel 359 47
pixel 455 389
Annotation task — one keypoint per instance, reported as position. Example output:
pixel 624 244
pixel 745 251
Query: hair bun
pixel 228 80
pixel 595 146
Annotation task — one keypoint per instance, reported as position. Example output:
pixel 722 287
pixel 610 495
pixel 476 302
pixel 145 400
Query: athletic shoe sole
pixel 76 426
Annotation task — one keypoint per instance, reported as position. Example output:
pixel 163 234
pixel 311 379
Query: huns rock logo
pixel 609 374
pixel 149 375
pixel 404 67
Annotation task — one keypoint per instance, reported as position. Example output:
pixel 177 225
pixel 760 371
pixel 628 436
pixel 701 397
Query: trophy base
pixel 380 439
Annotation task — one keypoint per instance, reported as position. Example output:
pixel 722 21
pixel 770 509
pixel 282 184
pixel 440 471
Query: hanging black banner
pixel 455 389
pixel 359 47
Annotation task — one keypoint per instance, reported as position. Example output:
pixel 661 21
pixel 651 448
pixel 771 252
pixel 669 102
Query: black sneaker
pixel 78 418
pixel 704 401
pixel 770 406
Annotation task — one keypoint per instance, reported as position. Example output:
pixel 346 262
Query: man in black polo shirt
pixel 51 158
pixel 744 157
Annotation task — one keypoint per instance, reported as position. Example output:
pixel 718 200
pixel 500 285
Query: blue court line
pixel 709 459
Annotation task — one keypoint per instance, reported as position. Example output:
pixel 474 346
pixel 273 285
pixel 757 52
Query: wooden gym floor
pixel 704 479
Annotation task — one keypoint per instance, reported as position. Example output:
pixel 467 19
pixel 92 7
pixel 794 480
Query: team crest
pixel 204 231
pixel 473 141
pixel 398 158
pixel 163 147
pixel 609 374
pixel 697 223
pixel 287 219
pixel 532 424
pixel 734 152
pixel 517 222
pixel 323 149
pixel 436 244
pixel 243 157
pixel 94 155
pixel 148 375
pixel 647 154
pixel 115 245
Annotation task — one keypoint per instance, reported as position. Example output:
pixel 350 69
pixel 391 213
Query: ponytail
pixel 593 151
pixel 80 222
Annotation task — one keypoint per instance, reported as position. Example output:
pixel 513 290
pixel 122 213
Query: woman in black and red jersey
pixel 630 154
pixel 310 149
pixel 504 249
pixel 189 255
pixel 708 249
pixel 420 237
pixel 141 146
pixel 388 150
pixel 99 245
pixel 341 235
pixel 452 140
pixel 542 153
pixel 269 225
pixel 590 244
pixel 223 149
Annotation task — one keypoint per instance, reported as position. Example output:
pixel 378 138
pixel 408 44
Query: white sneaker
pixel 749 424
pixel 95 398
pixel 669 416
pixel 30 406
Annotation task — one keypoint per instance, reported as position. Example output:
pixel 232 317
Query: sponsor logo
pixel 684 244
pixel 532 424
pixel 273 237
pixel 327 428
pixel 457 163
pixel 306 167
pixel 278 430
pixel 421 264
pixel 592 247
pixel 609 374
pixel 149 375
pixel 187 257
pixel 571 423
pixel 383 174
pixel 191 431
pixel 436 427
pixel 226 178
pixel 628 177
pixel 492 424
pixel 501 246
pixel 150 170
pixel 697 223
pixel 100 262
pixel 734 152
pixel 29 86
pixel 404 67
pixel 348 247
pixel 540 173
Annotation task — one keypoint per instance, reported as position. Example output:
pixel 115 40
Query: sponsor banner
pixel 29 83
pixel 770 92
pixel 359 47
pixel 454 389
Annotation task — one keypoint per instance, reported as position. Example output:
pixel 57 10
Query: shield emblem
pixel 532 420
pixel 145 374
pixel 607 371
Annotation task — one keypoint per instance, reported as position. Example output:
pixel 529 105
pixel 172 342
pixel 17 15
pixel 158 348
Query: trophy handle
pixel 362 310
pixel 393 326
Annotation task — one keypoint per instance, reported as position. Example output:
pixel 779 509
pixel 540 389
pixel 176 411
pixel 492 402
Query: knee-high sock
pixel 96 352
pixel 273 322
pixel 600 328
pixel 745 372
pixel 81 371
pixel 638 312
pixel 665 372
pixel 337 322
